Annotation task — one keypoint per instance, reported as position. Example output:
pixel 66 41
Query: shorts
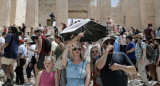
pixel 40 64
pixel 8 61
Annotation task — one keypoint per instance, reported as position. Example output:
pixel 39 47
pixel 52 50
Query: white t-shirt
pixel 31 53
pixel 23 50
pixel 87 53
pixel 54 45
pixel 2 40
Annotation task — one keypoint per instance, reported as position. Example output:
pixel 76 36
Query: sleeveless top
pixel 47 79
pixel 43 45
pixel 74 73
pixel 58 51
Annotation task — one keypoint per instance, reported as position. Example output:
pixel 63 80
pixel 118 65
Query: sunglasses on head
pixel 76 49
pixel 94 51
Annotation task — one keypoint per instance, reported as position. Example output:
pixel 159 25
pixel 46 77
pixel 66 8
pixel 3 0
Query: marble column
pixel 143 13
pixel 133 17
pixel 32 13
pixel 104 8
pixel 92 11
pixel 61 13
pixel 20 12
pixel 157 13
pixel 5 8
pixel 13 11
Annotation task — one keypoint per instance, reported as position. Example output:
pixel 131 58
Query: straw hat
pixel 138 36
pixel 156 38
pixel 29 40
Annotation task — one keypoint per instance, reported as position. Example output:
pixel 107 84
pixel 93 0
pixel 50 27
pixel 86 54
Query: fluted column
pixel 13 11
pixel 61 13
pixel 5 8
pixel 104 7
pixel 157 13
pixel 32 13
pixel 20 12
pixel 143 12
pixel 92 11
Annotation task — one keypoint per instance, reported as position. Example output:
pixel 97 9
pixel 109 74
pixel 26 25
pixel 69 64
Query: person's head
pixel 107 42
pixel 14 31
pixel 48 62
pixel 76 51
pixel 38 32
pixel 21 41
pixel 94 52
pixel 149 24
pixel 158 28
pixel 128 39
pixel 51 38
pixel 156 40
pixel 20 34
pixel 45 26
pixel 58 38
pixel 23 24
pixel 138 38
pixel 40 25
pixel 4 34
pixel 133 29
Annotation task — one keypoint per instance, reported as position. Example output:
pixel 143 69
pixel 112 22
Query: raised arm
pixel 65 55
pixel 78 37
pixel 102 61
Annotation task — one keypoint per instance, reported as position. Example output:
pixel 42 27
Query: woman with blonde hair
pixel 94 53
pixel 78 70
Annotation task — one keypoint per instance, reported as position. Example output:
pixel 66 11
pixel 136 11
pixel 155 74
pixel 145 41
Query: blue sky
pixel 114 3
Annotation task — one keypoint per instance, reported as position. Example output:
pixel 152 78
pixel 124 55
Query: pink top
pixel 47 79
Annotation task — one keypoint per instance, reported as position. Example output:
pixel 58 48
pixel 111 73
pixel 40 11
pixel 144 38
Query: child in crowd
pixel 47 76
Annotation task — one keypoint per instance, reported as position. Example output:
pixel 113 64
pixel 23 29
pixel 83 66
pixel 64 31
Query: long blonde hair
pixel 81 53
pixel 92 60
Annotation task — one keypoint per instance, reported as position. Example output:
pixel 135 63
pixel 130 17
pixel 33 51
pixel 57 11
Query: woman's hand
pixel 81 34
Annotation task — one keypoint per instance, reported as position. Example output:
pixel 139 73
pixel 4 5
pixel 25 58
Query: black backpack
pixel 124 30
pixel 48 45
pixel 149 52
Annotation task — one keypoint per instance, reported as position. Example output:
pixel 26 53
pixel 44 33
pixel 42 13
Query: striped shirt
pixel 139 50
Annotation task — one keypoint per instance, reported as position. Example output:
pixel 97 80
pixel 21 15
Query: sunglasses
pixel 76 49
pixel 94 51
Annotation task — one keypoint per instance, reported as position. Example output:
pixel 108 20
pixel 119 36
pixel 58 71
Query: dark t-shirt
pixel 147 32
pixel 132 54
pixel 11 51
pixel 115 78
pixel 23 29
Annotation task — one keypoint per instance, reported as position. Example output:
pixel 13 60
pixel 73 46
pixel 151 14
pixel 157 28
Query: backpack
pixel 48 45
pixel 124 30
pixel 149 52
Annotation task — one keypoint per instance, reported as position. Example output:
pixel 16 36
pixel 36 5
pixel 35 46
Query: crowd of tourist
pixel 115 60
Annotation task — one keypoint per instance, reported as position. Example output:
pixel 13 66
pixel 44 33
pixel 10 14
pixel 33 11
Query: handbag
pixel 63 78
pixel 98 78
pixel 59 64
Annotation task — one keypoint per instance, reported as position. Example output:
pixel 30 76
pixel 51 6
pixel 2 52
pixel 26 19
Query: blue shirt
pixel 116 46
pixel 11 51
pixel 74 73
pixel 132 54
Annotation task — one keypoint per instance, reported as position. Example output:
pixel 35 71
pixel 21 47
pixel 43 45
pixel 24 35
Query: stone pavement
pixel 2 79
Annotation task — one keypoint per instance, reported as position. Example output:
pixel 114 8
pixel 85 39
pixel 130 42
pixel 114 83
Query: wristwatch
pixel 123 67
